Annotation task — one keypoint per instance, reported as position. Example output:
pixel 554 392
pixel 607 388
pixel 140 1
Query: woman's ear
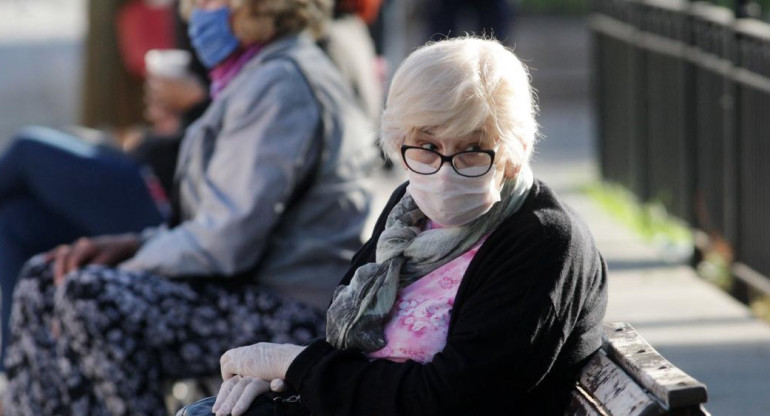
pixel 511 169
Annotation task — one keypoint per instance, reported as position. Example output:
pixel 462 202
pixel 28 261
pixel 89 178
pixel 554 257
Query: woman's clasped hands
pixel 246 371
pixel 106 249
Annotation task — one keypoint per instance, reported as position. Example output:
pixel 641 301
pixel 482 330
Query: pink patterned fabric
pixel 222 74
pixel 419 321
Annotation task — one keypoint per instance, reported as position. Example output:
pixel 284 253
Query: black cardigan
pixel 527 314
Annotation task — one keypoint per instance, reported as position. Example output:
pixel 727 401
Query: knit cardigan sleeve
pixel 528 310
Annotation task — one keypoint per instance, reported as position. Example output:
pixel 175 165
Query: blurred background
pixel 41 47
pixel 655 122
pixel 44 50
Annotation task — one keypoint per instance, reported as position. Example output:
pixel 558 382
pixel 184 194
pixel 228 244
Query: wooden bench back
pixel 629 378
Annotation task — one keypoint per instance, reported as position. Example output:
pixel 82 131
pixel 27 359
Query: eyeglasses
pixel 470 163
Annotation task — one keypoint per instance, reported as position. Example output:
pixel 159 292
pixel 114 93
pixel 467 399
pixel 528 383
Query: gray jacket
pixel 241 163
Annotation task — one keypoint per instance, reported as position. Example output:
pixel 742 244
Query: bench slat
pixel 670 385
pixel 582 404
pixel 615 390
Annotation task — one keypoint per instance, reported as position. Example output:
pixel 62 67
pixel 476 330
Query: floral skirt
pixel 104 342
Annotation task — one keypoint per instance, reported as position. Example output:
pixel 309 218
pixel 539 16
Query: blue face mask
pixel 211 36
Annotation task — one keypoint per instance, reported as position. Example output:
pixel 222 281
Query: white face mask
pixel 453 200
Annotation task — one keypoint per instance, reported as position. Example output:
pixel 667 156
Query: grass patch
pixel 715 268
pixel 649 220
pixel 760 306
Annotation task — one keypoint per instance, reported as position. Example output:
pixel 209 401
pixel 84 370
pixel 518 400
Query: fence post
pixel 741 8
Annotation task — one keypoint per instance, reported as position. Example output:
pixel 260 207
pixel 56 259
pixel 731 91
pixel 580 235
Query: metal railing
pixel 683 97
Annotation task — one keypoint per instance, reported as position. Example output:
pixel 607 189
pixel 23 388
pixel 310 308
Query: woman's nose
pixel 446 170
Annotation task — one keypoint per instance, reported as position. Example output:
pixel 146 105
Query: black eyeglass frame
pixel 449 159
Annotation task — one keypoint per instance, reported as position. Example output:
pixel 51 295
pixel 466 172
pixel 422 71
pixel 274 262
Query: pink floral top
pixel 419 321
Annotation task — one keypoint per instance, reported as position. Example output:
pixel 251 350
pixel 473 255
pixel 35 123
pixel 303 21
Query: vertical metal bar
pixel 741 8
pixel 730 143
pixel 639 103
pixel 689 129
pixel 760 177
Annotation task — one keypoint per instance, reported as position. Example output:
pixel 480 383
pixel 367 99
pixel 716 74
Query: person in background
pixel 347 41
pixel 119 33
pixel 270 205
pixel 479 293
pixel 57 185
pixel 83 162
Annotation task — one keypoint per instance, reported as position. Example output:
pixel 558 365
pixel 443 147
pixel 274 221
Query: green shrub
pixel 650 220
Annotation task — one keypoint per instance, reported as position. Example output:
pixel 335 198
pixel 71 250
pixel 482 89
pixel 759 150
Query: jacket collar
pixel 275 48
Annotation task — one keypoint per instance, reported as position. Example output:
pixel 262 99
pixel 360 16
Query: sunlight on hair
pixel 457 86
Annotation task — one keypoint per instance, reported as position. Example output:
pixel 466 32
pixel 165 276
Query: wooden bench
pixel 629 378
pixel 626 378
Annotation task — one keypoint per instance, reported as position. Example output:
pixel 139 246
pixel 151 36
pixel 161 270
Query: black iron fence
pixel 683 95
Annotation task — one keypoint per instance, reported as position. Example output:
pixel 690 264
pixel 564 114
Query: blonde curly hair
pixel 262 20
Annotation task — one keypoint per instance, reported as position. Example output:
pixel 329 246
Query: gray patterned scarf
pixel 405 253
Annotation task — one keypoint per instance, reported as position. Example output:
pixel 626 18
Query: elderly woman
pixel 479 293
pixel 270 210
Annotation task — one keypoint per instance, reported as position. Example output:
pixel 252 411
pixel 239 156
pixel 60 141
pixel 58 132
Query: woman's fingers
pixel 225 365
pixel 231 362
pixel 230 397
pixel 254 388
pixel 224 391
pixel 67 258
pixel 60 259
pixel 82 252
pixel 244 391
pixel 50 255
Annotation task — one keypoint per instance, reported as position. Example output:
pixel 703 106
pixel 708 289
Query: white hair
pixel 459 86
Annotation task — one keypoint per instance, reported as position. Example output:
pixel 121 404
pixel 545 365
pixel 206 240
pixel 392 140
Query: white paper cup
pixel 167 63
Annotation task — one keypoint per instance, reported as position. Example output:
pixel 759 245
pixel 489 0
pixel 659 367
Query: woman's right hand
pixel 108 250
pixel 166 99
pixel 237 393
pixel 176 95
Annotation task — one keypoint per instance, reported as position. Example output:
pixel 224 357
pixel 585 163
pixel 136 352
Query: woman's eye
pixel 472 148
pixel 429 146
